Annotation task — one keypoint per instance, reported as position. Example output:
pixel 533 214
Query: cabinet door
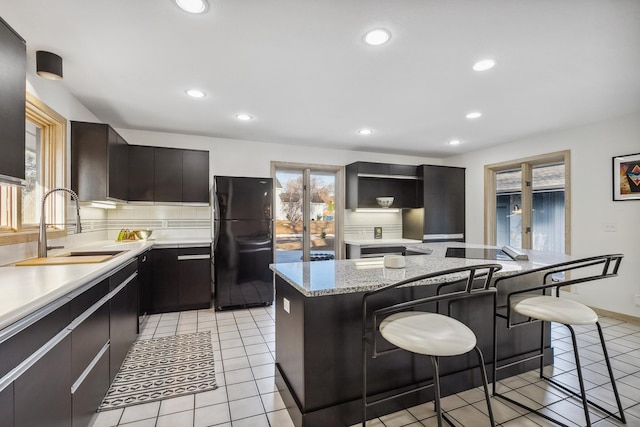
pixel 195 176
pixel 118 166
pixel 43 392
pixel 444 189
pixel 167 179
pixel 165 280
pixel 6 405
pixel 194 269
pixel 145 282
pixel 87 397
pixel 123 325
pixel 12 102
pixel 89 154
pixel 373 168
pixel 141 167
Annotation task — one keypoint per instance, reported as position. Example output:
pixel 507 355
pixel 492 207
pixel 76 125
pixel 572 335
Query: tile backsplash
pixel 361 225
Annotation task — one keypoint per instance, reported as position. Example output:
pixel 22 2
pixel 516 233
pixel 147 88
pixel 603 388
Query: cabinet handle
pixel 144 258
pixel 190 257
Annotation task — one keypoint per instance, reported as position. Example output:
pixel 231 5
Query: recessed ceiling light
pixel 377 37
pixel 455 142
pixel 196 93
pixel 192 6
pixel 243 117
pixel 483 65
pixel 365 131
pixel 474 115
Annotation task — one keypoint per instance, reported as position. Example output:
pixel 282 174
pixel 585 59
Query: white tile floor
pixel 244 348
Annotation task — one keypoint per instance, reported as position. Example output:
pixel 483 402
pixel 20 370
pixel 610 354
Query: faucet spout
pixel 42 229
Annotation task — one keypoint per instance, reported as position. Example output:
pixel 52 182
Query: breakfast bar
pixel 318 332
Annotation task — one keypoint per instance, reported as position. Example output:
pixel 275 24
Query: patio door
pixel 305 212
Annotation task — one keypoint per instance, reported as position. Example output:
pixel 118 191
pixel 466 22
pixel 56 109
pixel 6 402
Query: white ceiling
pixel 301 69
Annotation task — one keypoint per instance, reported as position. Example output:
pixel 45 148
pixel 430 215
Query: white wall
pixel 592 148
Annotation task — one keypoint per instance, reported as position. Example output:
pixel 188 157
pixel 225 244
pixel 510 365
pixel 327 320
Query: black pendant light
pixel 48 65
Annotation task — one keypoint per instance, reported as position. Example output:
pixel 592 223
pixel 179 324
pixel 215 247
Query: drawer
pixel 82 302
pixel 88 338
pixel 121 275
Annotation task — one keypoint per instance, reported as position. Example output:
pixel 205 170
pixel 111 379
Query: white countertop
pixel 320 278
pixel 23 290
pixel 382 242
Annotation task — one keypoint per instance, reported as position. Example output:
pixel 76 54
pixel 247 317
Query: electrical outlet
pixel 286 305
pixel 610 226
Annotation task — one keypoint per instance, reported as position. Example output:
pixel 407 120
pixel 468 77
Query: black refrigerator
pixel 242 241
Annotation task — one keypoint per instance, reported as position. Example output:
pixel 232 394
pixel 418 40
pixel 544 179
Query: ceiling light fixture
pixel 243 117
pixel 365 131
pixel 192 6
pixel 48 65
pixel 377 37
pixel 195 93
pixel 455 142
pixel 474 115
pixel 484 65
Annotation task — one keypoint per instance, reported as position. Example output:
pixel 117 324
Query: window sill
pixel 16 237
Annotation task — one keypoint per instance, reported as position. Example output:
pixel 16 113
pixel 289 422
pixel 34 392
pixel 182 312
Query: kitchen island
pixel 318 333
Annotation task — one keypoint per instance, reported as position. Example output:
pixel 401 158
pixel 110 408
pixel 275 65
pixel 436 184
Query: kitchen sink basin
pixel 94 253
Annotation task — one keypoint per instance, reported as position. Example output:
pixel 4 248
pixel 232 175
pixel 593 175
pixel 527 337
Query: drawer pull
pixel 191 257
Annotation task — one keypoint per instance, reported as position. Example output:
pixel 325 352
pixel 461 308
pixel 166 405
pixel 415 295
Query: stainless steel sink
pixel 94 253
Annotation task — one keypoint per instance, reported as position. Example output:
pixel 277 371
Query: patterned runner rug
pixel 162 368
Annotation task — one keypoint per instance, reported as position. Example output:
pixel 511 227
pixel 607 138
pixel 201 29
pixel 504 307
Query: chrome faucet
pixel 42 231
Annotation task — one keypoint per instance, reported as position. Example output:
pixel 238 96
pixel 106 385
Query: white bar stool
pixel 430 334
pixel 547 308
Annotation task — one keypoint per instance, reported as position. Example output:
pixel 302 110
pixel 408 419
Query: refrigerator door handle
pixel 216 216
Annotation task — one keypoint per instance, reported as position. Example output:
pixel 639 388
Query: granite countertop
pixel 24 290
pixel 360 275
pixel 382 242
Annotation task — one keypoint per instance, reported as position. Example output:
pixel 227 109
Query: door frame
pixel 305 168
pixel 525 165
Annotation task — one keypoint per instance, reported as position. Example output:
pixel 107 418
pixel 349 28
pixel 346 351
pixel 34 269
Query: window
pixel 527 203
pixel 305 212
pixel 45 144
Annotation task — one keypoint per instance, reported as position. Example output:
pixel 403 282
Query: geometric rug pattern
pixel 162 368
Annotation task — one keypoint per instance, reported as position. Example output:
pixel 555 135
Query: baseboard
pixel 618 316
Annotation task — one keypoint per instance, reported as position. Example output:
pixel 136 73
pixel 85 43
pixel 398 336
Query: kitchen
pixel 593 141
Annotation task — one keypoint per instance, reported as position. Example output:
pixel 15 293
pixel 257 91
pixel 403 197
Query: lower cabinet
pixel 123 324
pixel 87 393
pixel 181 279
pixel 6 405
pixel 41 394
pixel 81 340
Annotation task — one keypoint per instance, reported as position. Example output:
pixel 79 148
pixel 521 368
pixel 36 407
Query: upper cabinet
pixel 443 216
pixel 99 162
pixel 105 167
pixel 366 180
pixel 12 104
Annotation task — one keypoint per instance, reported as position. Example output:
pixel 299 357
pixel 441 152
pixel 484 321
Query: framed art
pixel 626 177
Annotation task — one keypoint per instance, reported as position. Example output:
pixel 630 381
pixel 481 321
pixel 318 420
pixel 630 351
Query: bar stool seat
pixel 430 334
pixel 552 309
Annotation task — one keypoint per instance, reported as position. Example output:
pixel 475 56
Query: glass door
pixel 305 213
pixel 530 206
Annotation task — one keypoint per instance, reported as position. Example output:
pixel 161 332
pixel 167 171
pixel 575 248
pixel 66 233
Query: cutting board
pixel 85 259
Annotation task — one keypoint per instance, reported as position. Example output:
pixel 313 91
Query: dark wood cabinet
pixel 6 405
pixel 165 280
pixel 194 272
pixel 42 394
pixel 167 178
pixel 195 176
pixel 90 392
pixel 366 180
pixel 99 162
pixel 12 104
pixel 141 173
pixel 145 284
pixel 181 279
pixel 123 324
pixel 443 217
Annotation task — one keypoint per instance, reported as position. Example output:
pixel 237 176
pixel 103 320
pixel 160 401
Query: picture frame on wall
pixel 626 177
